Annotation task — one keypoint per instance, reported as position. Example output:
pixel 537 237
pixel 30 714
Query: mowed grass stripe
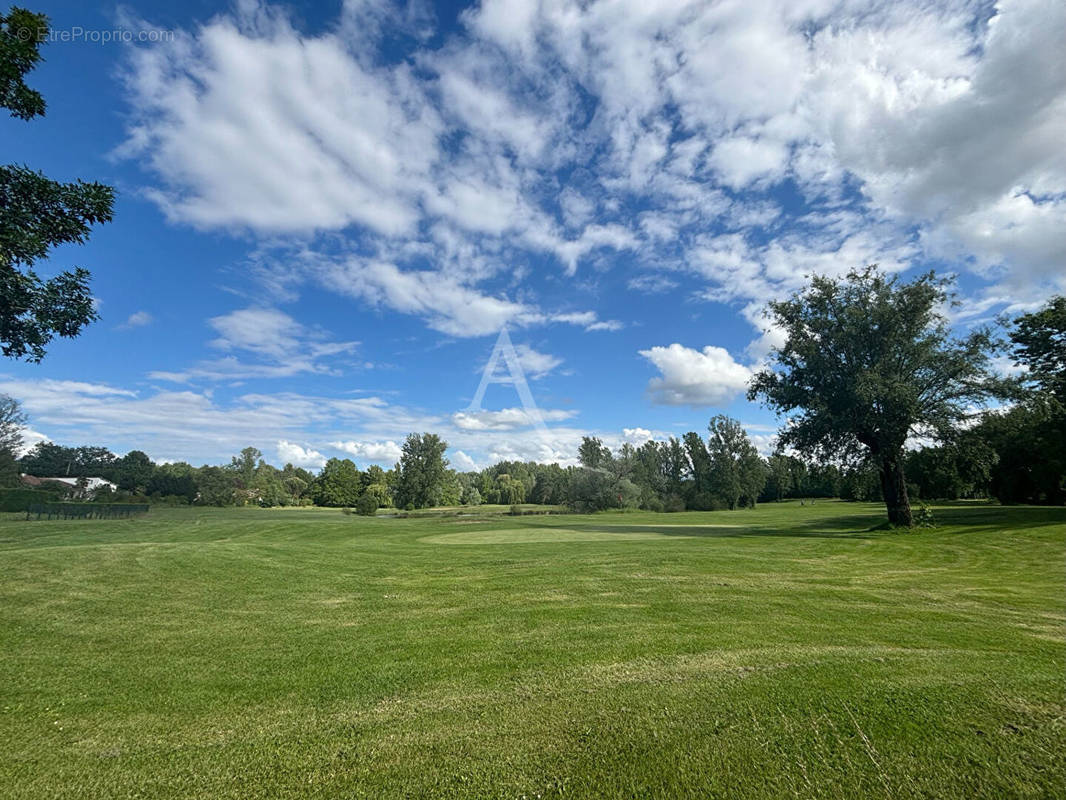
pixel 800 651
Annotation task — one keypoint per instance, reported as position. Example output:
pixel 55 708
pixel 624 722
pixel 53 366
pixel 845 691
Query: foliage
pixel 736 471
pixel 12 423
pixel 339 484
pixel 367 505
pixel 38 214
pixel 422 471
pixel 22 499
pixel 869 361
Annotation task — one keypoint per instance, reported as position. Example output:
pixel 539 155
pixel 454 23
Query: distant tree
pixel 12 423
pixel 1039 341
pixel 472 497
pixel 244 466
pixel 593 453
pixel 38 214
pixel 868 361
pixel 737 472
pixel 217 486
pixel 176 480
pixel 134 471
pixel 338 485
pixel 421 471
pixel 49 460
pixel 701 491
pixel 778 477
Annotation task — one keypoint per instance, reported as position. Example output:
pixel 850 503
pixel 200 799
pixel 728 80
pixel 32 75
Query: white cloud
pixel 534 363
pixel 138 319
pixel 507 418
pixel 386 454
pixel 281 347
pixel 250 124
pixel 297 455
pixel 695 378
pixel 636 435
pixel 462 462
pixel 628 135
pixel 739 160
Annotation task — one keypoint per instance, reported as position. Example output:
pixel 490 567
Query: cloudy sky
pixel 327 211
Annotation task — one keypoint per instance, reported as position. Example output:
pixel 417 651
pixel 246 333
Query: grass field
pixel 787 651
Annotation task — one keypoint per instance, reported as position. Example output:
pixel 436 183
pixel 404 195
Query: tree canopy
pixel 869 361
pixel 38 214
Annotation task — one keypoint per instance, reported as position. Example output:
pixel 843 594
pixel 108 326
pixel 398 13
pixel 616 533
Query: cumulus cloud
pixel 386 453
pixel 910 129
pixel 636 435
pixel 297 455
pixel 695 378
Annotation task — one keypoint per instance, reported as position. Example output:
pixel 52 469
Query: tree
pixel 12 423
pixel 244 466
pixel 338 485
pixel 1039 342
pixel 134 471
pixel 38 214
pixel 593 453
pixel 868 361
pixel 1029 439
pixel 736 470
pixel 421 471
pixel 216 486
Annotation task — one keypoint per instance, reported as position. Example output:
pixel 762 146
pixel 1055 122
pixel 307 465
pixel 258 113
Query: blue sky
pixel 327 211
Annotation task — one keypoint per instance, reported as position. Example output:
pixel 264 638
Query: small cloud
pixel 507 418
pixel 138 319
pixel 635 435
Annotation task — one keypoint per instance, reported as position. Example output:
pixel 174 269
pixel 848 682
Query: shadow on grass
pixel 959 520
pixel 852 526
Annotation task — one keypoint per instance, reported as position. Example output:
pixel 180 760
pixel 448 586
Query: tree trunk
pixel 894 489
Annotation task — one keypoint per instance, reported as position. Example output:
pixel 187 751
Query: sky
pixel 328 211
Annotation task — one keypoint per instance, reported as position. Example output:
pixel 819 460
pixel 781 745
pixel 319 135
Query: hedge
pixel 22 499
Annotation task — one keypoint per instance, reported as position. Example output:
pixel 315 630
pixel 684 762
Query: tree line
pixel 868 371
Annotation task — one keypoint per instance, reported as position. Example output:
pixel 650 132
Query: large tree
pixel 421 471
pixel 38 214
pixel 737 472
pixel 868 361
pixel 338 485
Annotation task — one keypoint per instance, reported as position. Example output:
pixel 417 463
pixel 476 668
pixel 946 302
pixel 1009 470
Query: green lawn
pixel 782 652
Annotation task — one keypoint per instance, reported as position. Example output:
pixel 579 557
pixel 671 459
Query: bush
pixel 22 499
pixel 367 506
pixel 674 503
pixel 516 510
pixel 923 517
pixel 346 510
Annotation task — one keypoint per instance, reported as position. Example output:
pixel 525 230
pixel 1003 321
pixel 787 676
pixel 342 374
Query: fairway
pixel 791 650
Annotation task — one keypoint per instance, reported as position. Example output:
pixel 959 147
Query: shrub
pixel 516 510
pixel 345 510
pixel 923 517
pixel 367 506
pixel 674 503
pixel 22 499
